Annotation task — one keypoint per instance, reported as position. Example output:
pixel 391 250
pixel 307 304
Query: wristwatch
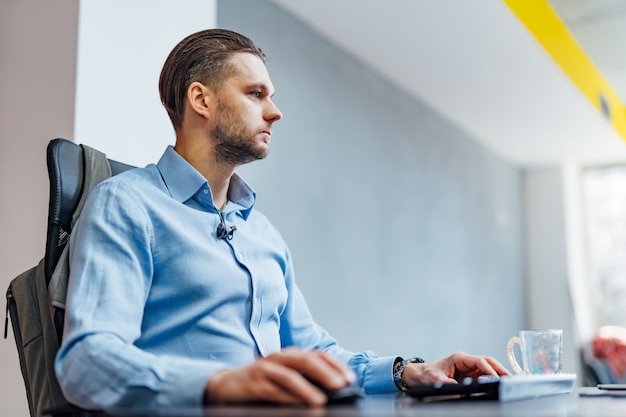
pixel 398 367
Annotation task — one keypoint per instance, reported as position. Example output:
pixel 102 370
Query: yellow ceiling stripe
pixel 546 26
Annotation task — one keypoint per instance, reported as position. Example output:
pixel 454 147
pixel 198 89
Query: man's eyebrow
pixel 263 87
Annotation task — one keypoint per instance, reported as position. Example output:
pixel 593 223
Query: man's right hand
pixel 279 378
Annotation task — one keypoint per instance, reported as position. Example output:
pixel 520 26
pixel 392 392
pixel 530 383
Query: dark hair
pixel 203 57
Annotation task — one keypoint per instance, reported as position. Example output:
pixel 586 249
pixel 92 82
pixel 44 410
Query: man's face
pixel 244 112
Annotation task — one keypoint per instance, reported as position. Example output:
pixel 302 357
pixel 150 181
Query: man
pixel 180 292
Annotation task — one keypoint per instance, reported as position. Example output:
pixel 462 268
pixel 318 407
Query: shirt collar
pixel 183 182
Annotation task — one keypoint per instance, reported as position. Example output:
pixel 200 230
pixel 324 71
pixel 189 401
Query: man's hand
pixel 451 370
pixel 279 378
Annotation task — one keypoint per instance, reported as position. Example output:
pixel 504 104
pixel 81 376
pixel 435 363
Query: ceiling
pixel 599 26
pixel 476 64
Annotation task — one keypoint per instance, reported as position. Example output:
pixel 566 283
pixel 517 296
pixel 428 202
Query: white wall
pixel 122 47
pixel 577 251
pixel 555 258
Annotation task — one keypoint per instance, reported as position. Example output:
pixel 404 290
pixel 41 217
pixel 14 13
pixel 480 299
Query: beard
pixel 235 142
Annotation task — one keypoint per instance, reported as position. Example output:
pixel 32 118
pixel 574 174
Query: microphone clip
pixel 224 231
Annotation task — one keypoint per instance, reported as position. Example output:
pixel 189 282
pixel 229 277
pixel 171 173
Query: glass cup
pixel 542 352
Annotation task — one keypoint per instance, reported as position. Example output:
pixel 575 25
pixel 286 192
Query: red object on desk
pixel 609 344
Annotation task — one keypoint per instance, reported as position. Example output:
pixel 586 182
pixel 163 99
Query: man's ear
pixel 199 98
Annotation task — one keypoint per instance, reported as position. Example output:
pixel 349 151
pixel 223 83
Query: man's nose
pixel 273 113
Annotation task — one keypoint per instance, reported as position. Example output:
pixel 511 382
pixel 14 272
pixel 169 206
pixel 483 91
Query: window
pixel 604 193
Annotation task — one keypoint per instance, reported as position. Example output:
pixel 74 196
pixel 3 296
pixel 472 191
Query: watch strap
pixel 399 366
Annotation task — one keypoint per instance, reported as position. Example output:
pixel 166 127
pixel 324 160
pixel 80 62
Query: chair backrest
pixel 73 171
pixel 66 171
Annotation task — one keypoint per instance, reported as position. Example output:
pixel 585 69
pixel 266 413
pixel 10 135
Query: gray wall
pixel 37 74
pixel 407 235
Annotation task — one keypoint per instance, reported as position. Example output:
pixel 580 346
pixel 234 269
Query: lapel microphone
pixel 223 230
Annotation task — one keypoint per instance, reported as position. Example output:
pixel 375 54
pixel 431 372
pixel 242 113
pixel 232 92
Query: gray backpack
pixel 36 298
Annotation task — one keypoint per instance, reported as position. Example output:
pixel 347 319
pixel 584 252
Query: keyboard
pixel 505 388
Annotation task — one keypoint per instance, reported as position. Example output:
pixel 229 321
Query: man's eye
pixel 256 94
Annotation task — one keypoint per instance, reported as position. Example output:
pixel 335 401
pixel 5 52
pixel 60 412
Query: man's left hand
pixel 451 370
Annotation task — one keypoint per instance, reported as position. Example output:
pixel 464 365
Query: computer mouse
pixel 346 395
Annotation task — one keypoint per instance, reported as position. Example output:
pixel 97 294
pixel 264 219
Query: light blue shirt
pixel 157 303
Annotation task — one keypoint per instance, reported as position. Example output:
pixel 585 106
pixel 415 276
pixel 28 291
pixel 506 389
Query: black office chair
pixel 67 174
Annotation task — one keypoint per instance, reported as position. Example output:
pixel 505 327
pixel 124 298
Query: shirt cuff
pixel 379 376
pixel 185 385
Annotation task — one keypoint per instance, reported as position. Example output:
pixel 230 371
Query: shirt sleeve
pixel 98 366
pixel 374 373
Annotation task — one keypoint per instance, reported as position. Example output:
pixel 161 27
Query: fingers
pixel 452 369
pixel 478 365
pixel 288 386
pixel 497 366
pixel 280 378
pixel 262 381
pixel 318 366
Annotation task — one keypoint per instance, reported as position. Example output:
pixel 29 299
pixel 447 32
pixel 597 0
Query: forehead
pixel 249 69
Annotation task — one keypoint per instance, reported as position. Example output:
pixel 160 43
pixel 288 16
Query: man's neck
pixel 219 187
pixel 217 174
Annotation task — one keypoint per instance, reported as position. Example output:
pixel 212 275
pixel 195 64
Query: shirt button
pixel 206 191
